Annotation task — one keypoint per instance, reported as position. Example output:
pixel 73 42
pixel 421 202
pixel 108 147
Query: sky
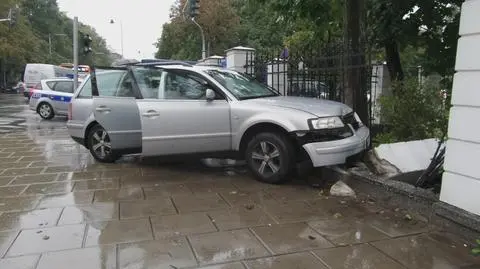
pixel 142 22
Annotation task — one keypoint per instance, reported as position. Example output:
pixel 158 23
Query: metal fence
pixel 323 73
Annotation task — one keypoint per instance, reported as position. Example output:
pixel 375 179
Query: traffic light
pixel 12 15
pixel 194 8
pixel 87 44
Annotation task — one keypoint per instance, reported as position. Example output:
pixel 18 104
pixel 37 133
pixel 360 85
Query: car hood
pixel 317 107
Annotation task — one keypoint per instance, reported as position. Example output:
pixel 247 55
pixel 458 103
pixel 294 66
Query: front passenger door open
pixel 116 110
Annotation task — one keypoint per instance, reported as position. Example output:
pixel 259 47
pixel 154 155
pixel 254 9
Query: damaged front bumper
pixel 337 151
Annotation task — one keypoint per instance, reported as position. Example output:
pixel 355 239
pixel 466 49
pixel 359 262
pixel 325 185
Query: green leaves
pixel 219 21
pixel 29 40
pixel 415 112
pixel 476 250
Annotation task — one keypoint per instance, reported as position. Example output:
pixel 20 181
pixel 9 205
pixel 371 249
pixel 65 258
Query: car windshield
pixel 241 86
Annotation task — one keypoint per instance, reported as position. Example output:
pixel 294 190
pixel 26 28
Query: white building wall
pixel 461 180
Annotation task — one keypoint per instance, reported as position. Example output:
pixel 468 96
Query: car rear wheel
pixel 99 145
pixel 45 110
pixel 270 157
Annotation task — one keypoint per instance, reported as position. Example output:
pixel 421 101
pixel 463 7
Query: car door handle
pixel 102 109
pixel 151 113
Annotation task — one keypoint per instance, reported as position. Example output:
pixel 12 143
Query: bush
pixel 414 111
pixel 476 250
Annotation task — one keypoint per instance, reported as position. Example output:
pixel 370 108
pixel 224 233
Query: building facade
pixel 461 180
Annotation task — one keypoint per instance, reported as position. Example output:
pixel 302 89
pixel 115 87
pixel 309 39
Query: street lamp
pixel 112 21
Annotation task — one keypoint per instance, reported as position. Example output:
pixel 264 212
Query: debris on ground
pixel 342 189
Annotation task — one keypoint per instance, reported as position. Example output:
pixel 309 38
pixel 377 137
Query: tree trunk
pixel 356 82
pixel 394 64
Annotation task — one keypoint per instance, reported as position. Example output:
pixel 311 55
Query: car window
pixel 148 80
pixel 51 84
pixel 64 86
pixel 86 91
pixel 38 86
pixel 107 83
pixel 184 86
pixel 125 87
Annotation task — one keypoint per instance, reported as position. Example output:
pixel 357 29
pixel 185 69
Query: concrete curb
pixel 423 202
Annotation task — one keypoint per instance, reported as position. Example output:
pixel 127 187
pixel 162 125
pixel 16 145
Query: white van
pixel 34 73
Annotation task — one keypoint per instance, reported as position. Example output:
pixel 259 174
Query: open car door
pixel 115 108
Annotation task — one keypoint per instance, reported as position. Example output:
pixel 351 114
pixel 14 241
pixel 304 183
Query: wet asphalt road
pixel 60 209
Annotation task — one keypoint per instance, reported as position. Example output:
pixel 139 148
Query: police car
pixel 51 97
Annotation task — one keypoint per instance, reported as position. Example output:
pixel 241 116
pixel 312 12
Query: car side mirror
pixel 210 94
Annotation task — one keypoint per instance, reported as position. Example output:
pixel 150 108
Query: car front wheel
pixel 45 110
pixel 270 157
pixel 100 146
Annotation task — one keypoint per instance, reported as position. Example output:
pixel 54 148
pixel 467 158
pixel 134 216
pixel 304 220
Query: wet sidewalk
pixel 60 209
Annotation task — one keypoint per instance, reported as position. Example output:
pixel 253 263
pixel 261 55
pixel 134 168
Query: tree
pixel 28 41
pixel 355 94
pixel 260 27
pixel 218 20
pixel 432 25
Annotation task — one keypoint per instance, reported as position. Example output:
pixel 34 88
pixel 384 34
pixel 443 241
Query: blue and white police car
pixel 52 97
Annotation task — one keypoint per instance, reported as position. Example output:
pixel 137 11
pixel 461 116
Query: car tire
pixel 270 157
pixel 98 142
pixel 45 110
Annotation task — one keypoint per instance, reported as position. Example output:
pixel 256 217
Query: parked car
pixel 170 109
pixel 34 73
pixel 51 97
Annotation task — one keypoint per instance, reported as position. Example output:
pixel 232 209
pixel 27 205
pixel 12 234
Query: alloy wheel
pixel 266 158
pixel 101 144
pixel 45 110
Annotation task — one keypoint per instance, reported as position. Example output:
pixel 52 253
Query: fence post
pixel 241 59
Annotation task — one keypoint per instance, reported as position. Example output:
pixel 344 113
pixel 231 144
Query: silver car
pixel 173 109
pixel 52 97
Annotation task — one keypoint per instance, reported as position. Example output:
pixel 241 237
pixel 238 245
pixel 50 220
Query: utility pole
pixel 194 11
pixel 112 21
pixel 75 53
pixel 204 51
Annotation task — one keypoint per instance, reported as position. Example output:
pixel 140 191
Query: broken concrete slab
pixel 407 156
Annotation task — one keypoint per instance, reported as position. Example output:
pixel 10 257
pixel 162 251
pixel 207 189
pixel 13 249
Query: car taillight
pixel 69 111
pixel 30 93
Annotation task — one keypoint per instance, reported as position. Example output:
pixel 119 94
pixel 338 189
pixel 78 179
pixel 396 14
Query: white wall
pixel 461 180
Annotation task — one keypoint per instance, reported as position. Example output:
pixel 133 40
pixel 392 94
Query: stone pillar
pixel 241 59
pixel 277 76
